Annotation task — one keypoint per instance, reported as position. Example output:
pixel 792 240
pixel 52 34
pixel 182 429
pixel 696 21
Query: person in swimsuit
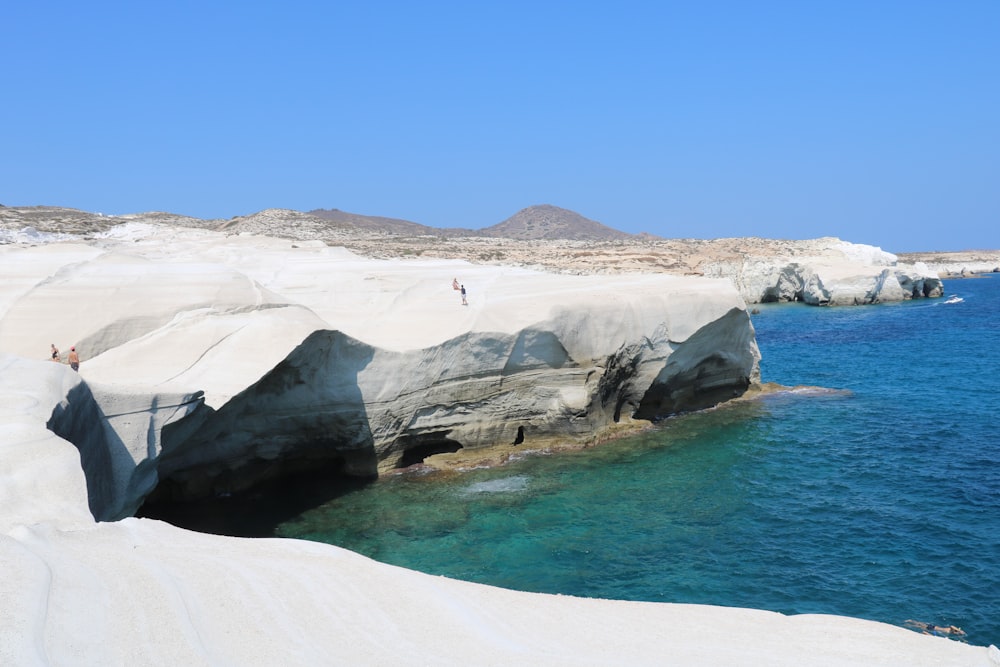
pixel 931 629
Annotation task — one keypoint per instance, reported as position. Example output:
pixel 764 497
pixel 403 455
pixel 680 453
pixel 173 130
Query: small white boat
pixel 954 298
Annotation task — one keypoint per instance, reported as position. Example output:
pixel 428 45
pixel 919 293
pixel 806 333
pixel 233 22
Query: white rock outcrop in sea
pixel 204 354
pixel 826 272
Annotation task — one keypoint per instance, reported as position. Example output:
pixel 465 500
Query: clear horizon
pixel 872 123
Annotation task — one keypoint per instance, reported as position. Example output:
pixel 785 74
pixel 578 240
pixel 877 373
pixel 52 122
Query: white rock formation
pixel 194 345
pixel 315 353
pixel 829 273
pixel 964 269
pixel 965 263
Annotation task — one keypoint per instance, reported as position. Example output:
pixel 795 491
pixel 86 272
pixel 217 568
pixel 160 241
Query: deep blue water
pixel 881 501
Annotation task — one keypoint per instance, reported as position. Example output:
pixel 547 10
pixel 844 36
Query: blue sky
pixel 875 121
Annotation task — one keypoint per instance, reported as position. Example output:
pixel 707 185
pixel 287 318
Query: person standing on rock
pixel 74 359
pixel 464 301
pixel 55 353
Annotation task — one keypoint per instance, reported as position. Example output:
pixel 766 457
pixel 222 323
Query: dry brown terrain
pixel 540 236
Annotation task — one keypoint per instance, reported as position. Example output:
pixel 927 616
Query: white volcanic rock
pixel 824 271
pixel 963 268
pixel 138 591
pixel 960 264
pixel 827 272
pixel 202 352
pixel 304 351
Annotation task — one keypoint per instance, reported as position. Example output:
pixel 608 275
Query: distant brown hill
pixel 551 222
pixel 543 221
pixel 373 222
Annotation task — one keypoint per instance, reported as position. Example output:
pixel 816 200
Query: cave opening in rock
pixel 416 448
pixel 770 295
pixel 293 488
pixel 709 383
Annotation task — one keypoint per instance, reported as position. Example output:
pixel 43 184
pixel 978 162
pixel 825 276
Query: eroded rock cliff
pixel 212 363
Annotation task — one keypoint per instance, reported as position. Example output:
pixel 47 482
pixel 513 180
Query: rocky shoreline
pixel 500 454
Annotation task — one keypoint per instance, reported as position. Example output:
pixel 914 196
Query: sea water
pixel 879 500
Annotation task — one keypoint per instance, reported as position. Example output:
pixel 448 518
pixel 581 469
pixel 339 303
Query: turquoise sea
pixel 880 500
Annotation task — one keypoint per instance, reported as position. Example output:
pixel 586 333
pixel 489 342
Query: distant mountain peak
pixel 545 221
